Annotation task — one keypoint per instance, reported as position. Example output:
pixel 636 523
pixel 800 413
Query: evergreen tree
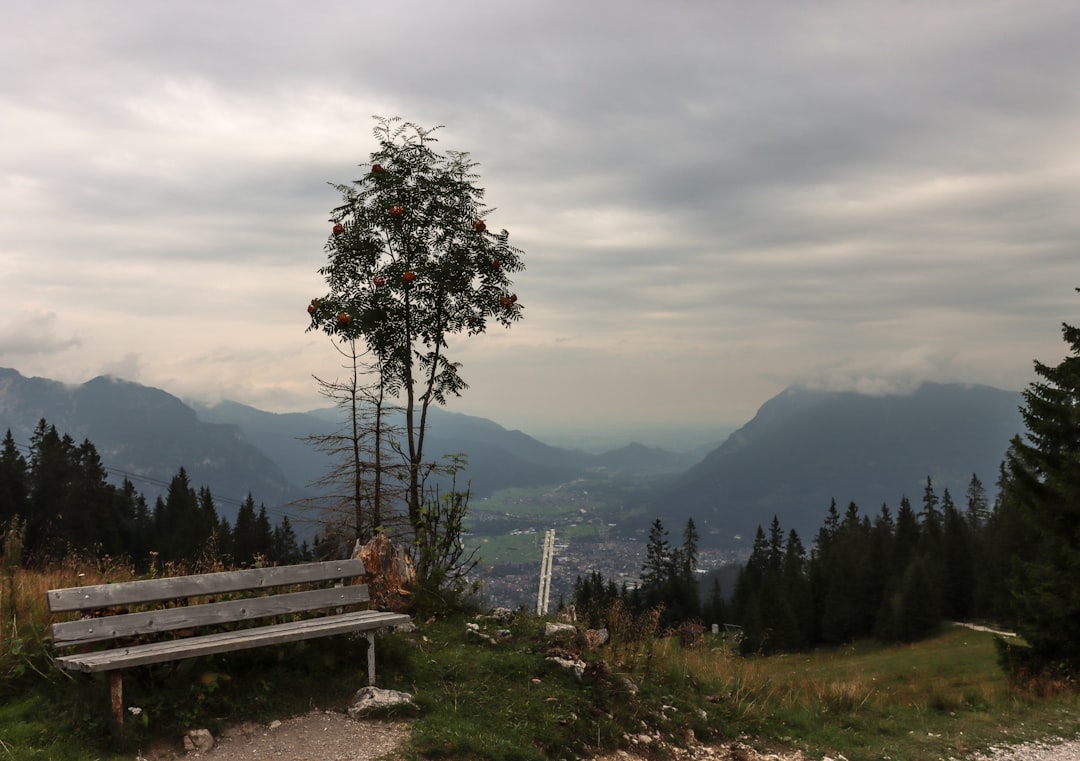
pixel 715 610
pixel 917 610
pixel 798 595
pixel 50 471
pixel 14 482
pixel 907 538
pixel 1044 475
pixel 959 576
pixel 978 508
pixel 286 548
pixel 682 584
pixel 844 587
pixel 657 563
pixel 1006 538
pixel 245 539
pixel 264 534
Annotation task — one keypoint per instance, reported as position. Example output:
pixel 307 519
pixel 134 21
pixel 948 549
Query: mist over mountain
pixel 235 449
pixel 804 448
pixel 496 458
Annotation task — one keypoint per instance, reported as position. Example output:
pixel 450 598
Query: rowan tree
pixel 412 265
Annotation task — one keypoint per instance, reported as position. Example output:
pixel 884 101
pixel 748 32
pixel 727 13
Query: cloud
pixel 36 336
pixel 714 200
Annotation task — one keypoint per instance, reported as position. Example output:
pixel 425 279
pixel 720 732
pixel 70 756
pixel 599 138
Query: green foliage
pixel 61 501
pixel 896 579
pixel 411 264
pixel 1044 489
pixel 506 700
pixel 668 578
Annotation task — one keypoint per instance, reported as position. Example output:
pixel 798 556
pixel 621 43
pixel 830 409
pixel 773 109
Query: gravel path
pixel 333 736
pixel 316 736
pixel 1049 750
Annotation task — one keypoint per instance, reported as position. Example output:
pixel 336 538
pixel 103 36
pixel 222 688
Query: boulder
pixel 595 638
pixel 198 740
pixel 559 631
pixel 373 700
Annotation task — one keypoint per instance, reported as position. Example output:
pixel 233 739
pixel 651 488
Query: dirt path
pixel 317 736
pixel 333 736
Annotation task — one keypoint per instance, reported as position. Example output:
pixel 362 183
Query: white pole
pixel 545 573
pixel 550 561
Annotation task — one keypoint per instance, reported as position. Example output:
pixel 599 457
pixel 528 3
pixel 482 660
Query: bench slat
pixel 87 630
pixel 156 590
pixel 293 631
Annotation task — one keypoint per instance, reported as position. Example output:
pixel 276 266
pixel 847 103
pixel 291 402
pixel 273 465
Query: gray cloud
pixel 715 200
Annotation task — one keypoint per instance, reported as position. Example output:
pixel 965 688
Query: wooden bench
pixel 201 623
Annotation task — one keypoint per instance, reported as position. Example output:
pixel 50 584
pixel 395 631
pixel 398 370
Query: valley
pixel 596 530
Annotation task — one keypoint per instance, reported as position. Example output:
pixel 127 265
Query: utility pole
pixel 545 573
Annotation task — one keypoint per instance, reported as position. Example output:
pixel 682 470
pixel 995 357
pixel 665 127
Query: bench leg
pixel 370 659
pixel 116 695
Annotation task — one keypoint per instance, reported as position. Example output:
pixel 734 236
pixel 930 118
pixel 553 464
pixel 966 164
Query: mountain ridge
pixel 805 448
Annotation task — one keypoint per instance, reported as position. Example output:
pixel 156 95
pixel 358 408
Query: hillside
pixel 805 448
pixel 235 449
pixel 146 434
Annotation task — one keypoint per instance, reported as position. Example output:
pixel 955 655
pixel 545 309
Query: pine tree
pixel 14 482
pixel 286 548
pixel 959 577
pixel 657 558
pixel 1044 475
pixel 245 540
pixel 978 508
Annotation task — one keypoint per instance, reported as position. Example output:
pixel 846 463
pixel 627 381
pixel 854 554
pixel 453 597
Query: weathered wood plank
pixel 156 590
pixel 88 630
pixel 191 647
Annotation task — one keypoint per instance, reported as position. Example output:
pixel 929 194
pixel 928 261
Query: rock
pixel 473 630
pixel 370 700
pixel 500 615
pixel 577 666
pixel 595 638
pixel 559 631
pixel 198 740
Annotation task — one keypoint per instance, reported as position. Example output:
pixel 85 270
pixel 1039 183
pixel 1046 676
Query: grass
pixel 508 702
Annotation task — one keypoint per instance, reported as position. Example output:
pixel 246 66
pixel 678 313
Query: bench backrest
pixel 86 630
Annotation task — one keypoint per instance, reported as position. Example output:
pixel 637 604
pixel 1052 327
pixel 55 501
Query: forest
pixel 58 499
pixel 896 576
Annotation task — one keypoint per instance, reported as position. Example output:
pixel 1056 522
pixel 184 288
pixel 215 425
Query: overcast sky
pixel 716 200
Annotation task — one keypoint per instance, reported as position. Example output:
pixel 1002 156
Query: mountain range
pixel 805 448
pixel 801 450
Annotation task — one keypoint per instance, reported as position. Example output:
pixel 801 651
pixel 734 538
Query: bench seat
pixel 224 642
pixel 138 623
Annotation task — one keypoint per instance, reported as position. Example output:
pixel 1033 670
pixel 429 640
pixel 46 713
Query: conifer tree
pixel 956 551
pixel 978 507
pixel 657 557
pixel 1044 475
pixel 245 539
pixel 14 481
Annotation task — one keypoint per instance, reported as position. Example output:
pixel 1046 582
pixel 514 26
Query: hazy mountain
pixel 233 448
pixel 805 448
pixel 802 449
pixel 146 433
pixel 497 458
